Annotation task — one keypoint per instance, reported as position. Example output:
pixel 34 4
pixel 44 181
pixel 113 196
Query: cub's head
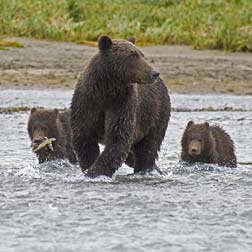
pixel 42 125
pixel 122 61
pixel 195 140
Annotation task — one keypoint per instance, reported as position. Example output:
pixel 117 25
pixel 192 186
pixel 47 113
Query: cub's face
pixel 126 62
pixel 196 137
pixel 41 126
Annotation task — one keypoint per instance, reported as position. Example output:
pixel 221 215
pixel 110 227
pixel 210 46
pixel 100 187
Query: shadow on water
pixel 54 207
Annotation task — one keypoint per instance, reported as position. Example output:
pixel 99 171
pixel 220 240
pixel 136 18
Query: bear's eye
pixel 134 55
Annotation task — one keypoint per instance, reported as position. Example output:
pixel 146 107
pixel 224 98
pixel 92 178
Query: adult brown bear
pixel 46 124
pixel 207 144
pixel 113 104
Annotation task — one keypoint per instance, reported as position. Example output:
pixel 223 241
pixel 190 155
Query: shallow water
pixel 53 207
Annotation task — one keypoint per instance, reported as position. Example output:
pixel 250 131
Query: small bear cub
pixel 50 135
pixel 207 144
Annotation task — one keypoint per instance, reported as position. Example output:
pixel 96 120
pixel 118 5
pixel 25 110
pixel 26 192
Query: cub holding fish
pixel 50 134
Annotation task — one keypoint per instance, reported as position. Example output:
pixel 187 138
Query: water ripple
pixel 54 207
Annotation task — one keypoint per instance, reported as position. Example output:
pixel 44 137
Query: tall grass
pixel 217 24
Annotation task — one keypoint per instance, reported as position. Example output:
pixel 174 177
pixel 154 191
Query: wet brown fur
pixel 216 147
pixel 52 124
pixel 108 107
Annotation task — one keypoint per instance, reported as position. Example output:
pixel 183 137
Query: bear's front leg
pixel 85 137
pixel 87 150
pixel 119 131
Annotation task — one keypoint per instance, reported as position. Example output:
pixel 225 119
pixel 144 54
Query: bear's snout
pixel 194 148
pixel 155 74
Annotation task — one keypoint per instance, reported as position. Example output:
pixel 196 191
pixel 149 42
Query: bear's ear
pixel 104 43
pixel 190 123
pixel 206 125
pixel 33 110
pixel 132 40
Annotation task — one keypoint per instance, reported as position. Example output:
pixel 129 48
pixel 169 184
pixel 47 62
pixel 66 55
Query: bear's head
pixel 196 140
pixel 42 125
pixel 122 62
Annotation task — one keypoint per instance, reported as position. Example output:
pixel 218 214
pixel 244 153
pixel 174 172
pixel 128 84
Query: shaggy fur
pixel 207 144
pixel 109 107
pixel 51 124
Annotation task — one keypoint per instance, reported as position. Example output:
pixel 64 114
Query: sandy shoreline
pixel 46 64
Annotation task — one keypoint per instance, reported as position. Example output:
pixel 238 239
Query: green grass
pixel 214 24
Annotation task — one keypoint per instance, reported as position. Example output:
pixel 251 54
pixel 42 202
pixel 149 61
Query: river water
pixel 53 207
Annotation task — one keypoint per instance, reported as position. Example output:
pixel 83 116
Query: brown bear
pixel 207 144
pixel 114 105
pixel 47 124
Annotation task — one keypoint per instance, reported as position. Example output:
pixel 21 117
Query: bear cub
pixel 45 125
pixel 119 101
pixel 207 144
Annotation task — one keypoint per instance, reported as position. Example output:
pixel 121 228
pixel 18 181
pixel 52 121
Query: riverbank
pixel 45 64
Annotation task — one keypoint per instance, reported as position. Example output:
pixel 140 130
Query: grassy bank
pixel 214 24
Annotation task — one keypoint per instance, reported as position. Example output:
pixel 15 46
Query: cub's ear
pixel 190 123
pixel 104 42
pixel 206 125
pixel 132 40
pixel 33 110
